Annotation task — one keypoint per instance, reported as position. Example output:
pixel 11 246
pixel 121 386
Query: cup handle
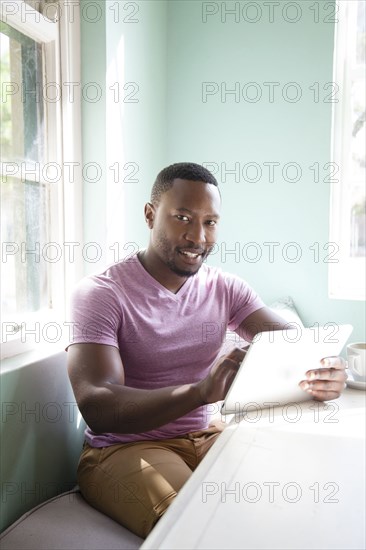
pixel 352 363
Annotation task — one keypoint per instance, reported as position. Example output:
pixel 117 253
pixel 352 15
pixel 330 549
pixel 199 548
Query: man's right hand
pixel 107 405
pixel 218 381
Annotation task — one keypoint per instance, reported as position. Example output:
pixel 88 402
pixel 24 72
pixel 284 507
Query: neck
pixel 161 273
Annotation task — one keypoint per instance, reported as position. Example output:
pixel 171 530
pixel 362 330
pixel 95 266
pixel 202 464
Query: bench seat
pixel 67 521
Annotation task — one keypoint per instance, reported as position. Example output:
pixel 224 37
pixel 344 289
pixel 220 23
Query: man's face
pixel 184 225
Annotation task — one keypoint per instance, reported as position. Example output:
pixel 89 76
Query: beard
pixel 181 272
pixel 167 255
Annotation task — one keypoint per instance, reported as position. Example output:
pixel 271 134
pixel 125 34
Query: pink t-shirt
pixel 164 339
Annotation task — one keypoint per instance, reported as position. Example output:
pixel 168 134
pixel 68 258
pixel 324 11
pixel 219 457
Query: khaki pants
pixel 134 483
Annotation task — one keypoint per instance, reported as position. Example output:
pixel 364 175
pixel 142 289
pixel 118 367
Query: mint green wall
pixel 241 132
pixel 169 52
pixel 127 126
pixel 140 112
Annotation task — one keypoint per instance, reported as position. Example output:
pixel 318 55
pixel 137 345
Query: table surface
pixel 290 477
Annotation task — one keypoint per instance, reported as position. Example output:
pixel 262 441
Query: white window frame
pixel 61 41
pixel 346 277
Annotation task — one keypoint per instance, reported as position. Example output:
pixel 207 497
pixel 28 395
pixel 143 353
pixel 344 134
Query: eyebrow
pixel 186 210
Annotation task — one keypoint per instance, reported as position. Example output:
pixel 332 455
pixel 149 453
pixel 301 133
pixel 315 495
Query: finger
pixel 322 390
pixel 236 355
pixel 230 365
pixel 325 395
pixel 227 367
pixel 335 362
pixel 226 374
pixel 322 385
pixel 327 374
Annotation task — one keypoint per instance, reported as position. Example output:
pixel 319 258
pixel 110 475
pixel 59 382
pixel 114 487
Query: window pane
pixel 357 142
pixel 357 171
pixel 23 203
pixel 361 42
pixel 348 207
pixel 23 230
pixel 22 114
pixel 358 131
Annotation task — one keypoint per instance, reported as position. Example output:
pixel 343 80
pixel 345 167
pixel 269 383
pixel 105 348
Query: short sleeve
pixel 95 312
pixel 242 298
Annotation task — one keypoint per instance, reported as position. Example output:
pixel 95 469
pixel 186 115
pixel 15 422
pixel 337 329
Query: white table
pixel 292 479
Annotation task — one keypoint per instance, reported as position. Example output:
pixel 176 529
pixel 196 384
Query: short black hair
pixel 183 170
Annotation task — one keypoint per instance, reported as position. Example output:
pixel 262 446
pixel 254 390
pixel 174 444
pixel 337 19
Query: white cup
pixel 356 355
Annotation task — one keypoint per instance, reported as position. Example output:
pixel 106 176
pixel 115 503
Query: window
pixel 40 131
pixel 348 229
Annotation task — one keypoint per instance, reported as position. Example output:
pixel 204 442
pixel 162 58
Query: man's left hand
pixel 327 382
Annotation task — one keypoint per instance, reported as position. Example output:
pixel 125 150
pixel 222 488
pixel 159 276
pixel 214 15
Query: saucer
pixel 356 384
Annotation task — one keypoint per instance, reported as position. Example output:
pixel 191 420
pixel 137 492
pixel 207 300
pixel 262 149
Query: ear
pixel 149 214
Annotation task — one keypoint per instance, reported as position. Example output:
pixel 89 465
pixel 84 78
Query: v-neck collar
pixel 152 281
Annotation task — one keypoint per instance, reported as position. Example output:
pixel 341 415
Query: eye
pixel 211 223
pixel 182 218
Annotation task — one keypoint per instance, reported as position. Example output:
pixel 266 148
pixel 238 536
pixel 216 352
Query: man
pixel 143 364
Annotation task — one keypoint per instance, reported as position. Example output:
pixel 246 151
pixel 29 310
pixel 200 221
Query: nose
pixel 196 233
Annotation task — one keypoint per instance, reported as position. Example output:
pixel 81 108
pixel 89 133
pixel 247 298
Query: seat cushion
pixel 64 522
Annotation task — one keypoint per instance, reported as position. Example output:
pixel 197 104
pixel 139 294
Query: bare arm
pixel 107 405
pixel 262 320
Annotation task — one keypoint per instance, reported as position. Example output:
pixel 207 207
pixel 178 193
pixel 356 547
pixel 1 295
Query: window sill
pixel 41 352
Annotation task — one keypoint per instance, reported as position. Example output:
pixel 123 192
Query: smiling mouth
pixel 190 254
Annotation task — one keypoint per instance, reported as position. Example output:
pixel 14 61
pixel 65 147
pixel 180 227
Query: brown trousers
pixel 134 483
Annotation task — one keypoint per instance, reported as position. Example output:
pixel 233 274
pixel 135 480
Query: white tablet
pixel 277 361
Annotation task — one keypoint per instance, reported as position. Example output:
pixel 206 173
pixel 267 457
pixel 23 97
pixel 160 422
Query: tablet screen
pixel 277 361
